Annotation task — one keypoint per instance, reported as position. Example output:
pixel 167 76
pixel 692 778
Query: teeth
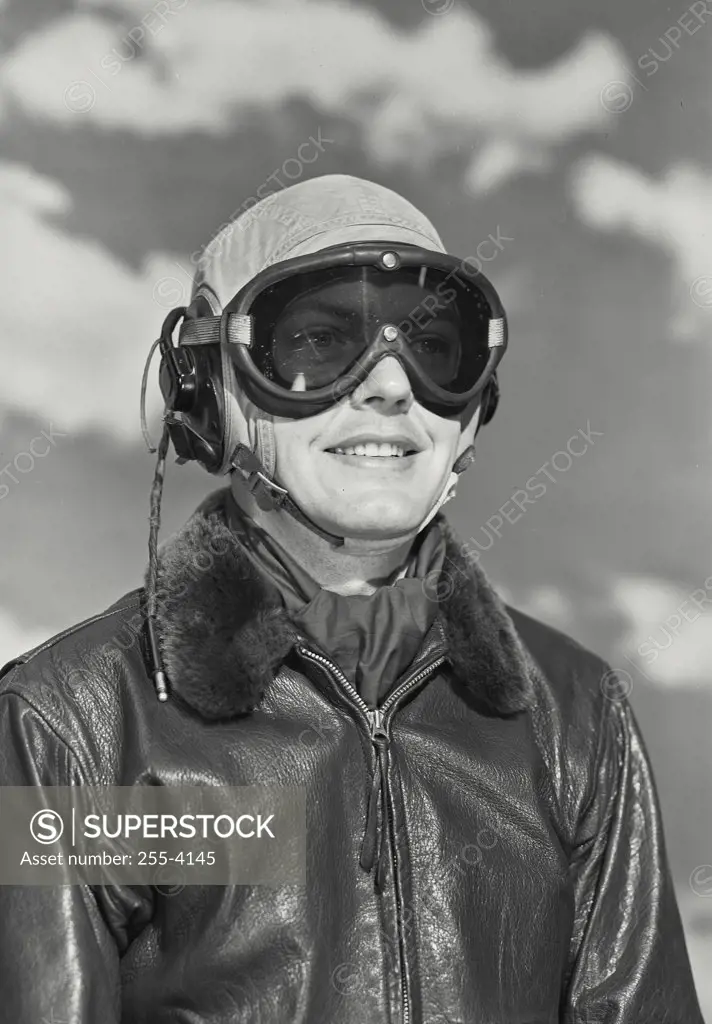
pixel 372 449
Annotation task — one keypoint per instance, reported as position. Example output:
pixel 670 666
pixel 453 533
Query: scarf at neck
pixel 373 638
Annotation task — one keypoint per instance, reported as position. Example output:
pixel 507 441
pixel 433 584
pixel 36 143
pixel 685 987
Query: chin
pixel 375 521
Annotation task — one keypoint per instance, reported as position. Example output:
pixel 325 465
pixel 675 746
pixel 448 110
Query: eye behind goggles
pixel 307 331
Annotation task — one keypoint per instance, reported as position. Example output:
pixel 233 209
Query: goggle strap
pixel 206 330
pixel 496 332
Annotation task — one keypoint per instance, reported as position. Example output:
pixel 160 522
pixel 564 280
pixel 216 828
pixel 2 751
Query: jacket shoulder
pixel 565 662
pixel 82 667
pixel 574 685
pixel 580 715
pixel 91 631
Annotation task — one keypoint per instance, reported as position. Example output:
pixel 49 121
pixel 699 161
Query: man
pixel 484 839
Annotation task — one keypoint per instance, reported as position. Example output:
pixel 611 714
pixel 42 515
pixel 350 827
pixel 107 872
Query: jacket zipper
pixel 379 731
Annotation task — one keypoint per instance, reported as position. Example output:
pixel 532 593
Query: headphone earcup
pixel 190 377
pixel 205 420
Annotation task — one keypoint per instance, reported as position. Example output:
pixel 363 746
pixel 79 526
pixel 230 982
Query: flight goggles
pixel 307 331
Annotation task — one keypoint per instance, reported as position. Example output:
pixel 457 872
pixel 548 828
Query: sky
pixel 578 135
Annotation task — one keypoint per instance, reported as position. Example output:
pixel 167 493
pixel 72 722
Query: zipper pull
pixel 376 725
pixel 373 840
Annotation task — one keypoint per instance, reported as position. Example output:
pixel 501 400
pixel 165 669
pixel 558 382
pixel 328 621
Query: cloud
pixel 673 213
pixel 441 87
pixel 80 322
pixel 669 630
pixel 664 630
pixel 549 604
pixel 500 159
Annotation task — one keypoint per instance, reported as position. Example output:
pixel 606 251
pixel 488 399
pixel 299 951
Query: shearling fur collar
pixel 223 632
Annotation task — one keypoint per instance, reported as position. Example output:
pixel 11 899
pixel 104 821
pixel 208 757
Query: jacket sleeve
pixel 59 945
pixel 630 962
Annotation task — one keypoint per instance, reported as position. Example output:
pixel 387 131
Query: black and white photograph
pixel 355 512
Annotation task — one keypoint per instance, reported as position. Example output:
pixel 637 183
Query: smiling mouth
pixel 374 451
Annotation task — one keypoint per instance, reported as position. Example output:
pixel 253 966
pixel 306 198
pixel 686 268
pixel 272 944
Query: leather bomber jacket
pixel 525 877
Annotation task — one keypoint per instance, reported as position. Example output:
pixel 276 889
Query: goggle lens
pixel 313 328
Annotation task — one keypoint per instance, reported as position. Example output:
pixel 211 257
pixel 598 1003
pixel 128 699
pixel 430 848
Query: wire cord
pixel 159 675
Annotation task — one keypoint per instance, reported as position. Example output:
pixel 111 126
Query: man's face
pixel 375 497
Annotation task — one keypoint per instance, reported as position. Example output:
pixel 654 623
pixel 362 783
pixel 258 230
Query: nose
pixel 387 387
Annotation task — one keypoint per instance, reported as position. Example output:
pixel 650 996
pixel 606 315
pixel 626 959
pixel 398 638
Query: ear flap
pixel 490 400
pixel 234 422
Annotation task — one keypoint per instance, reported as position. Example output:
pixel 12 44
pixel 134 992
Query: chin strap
pixel 450 488
pixel 269 495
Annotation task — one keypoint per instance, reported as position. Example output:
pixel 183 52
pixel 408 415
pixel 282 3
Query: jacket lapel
pixel 224 634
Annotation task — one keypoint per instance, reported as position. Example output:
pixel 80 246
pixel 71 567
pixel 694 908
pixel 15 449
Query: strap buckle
pixel 266 492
